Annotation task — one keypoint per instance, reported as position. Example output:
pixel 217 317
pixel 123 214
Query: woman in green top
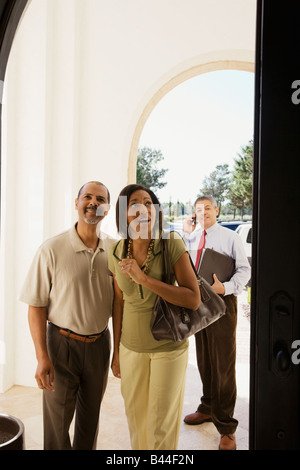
pixel 152 372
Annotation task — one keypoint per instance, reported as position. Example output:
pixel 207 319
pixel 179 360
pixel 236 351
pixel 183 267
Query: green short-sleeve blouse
pixel 139 301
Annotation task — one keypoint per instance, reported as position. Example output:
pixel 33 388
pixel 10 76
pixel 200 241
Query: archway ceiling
pixel 10 14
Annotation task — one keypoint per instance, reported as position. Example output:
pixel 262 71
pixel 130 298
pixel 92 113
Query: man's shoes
pixel 227 442
pixel 197 418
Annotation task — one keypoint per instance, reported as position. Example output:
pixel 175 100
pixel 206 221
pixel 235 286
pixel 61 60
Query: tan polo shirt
pixel 73 281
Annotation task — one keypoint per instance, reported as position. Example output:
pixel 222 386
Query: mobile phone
pixel 194 221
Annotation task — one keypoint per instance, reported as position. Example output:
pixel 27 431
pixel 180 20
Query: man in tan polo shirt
pixel 69 291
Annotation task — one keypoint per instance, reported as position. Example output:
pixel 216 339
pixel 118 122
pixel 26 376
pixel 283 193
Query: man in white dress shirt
pixel 216 345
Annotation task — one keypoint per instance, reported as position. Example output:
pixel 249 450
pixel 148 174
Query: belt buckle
pixel 93 337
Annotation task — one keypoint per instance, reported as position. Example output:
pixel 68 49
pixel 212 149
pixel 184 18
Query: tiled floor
pixel 25 403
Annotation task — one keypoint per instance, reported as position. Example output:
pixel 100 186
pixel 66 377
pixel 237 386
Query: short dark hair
pixel 127 191
pixel 95 182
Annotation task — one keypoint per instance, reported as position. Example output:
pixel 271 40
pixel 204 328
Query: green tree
pixel 216 184
pixel 147 172
pixel 240 188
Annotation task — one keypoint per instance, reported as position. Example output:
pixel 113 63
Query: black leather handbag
pixel 175 323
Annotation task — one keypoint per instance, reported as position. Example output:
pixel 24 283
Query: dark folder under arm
pixel 213 262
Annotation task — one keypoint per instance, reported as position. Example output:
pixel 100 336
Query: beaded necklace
pixel 149 253
pixel 146 263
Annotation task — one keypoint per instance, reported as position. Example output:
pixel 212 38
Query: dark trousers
pixel 80 379
pixel 216 356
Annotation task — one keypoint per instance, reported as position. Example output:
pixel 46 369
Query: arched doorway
pixel 168 86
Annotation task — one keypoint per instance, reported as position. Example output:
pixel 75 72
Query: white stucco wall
pixel 82 78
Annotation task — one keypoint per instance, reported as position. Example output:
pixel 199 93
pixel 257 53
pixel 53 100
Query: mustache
pixel 100 210
pixel 94 208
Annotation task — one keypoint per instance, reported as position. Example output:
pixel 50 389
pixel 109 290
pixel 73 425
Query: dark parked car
pixel 232 224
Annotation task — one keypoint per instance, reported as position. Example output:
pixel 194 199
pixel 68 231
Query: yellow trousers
pixel 152 385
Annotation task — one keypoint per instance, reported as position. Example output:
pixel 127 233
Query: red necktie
pixel 200 248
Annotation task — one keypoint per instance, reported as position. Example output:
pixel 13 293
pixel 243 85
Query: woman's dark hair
pixel 122 206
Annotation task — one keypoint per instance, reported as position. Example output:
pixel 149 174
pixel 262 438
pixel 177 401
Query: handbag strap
pixel 205 289
pixel 166 262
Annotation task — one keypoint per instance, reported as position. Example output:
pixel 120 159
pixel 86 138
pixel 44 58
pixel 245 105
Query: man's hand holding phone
pixel 189 224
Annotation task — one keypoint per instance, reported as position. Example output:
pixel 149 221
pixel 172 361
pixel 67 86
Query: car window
pixel 249 236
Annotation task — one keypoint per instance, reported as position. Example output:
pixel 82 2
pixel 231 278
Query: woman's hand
pixel 131 269
pixel 115 365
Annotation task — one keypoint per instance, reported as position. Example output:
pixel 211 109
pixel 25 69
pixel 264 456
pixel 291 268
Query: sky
pixel 198 125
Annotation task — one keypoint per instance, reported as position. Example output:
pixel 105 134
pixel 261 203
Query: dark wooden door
pixel 275 311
